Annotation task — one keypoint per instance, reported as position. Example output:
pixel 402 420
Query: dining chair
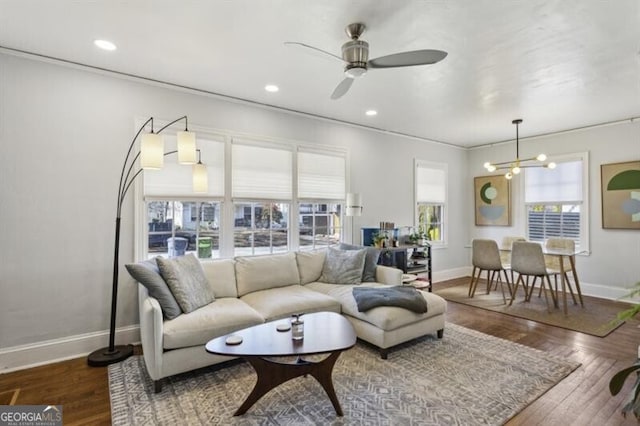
pixel 553 265
pixel 486 257
pixel 505 252
pixel 527 261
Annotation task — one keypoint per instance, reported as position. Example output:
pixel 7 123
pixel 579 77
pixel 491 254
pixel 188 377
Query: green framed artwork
pixel 620 185
pixel 492 200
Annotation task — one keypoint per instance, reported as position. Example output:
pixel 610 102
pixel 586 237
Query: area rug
pixel 466 378
pixel 595 319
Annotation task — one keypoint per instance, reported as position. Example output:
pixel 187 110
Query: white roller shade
pixel 321 176
pixel 564 183
pixel 259 172
pixel 176 179
pixel 430 184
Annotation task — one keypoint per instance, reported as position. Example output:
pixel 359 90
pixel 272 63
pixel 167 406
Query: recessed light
pixel 104 44
pixel 371 112
pixel 271 88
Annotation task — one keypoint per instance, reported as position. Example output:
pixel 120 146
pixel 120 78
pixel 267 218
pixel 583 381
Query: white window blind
pixel 321 176
pixel 176 179
pixel 430 184
pixel 260 172
pixel 564 183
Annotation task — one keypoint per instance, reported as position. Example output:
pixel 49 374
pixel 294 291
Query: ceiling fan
pixel 355 56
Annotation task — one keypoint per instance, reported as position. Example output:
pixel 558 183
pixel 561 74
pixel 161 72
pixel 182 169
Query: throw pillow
pixel 343 266
pixel 148 274
pixel 185 277
pixel 370 261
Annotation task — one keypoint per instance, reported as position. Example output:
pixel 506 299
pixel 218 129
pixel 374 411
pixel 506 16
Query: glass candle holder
pixel 297 327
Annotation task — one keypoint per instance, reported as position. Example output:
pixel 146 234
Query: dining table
pixel 562 255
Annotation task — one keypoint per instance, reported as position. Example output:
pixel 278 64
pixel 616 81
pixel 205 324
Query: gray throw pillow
pixel 370 261
pixel 185 277
pixel 148 274
pixel 343 266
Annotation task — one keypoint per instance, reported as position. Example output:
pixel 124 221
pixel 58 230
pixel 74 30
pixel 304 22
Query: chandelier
pixel 514 167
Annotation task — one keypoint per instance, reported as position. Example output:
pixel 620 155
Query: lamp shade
pixel 151 151
pixel 354 204
pixel 200 178
pixel 186 147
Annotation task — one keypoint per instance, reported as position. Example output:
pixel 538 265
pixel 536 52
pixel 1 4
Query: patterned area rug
pixel 466 378
pixel 596 319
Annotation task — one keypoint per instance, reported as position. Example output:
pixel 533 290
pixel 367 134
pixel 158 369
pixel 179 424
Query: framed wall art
pixel 620 185
pixel 492 200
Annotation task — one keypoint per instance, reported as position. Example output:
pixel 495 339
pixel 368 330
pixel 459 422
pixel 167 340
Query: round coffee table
pixel 324 332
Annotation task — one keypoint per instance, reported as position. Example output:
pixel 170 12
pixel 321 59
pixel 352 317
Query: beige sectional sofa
pixel 253 290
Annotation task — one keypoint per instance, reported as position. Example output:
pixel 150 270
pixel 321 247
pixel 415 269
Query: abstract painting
pixel 493 200
pixel 620 195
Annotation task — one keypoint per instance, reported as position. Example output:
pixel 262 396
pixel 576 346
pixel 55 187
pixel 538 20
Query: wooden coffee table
pixel 324 332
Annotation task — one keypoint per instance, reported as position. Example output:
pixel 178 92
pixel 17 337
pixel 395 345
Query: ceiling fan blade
pixel 314 49
pixel 407 59
pixel 342 88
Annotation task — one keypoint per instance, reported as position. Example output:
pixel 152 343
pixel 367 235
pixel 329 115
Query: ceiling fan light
pixel 491 168
pixel 508 175
pixel 541 157
pixel 486 165
pixel 515 170
pixel 551 165
pixel 355 72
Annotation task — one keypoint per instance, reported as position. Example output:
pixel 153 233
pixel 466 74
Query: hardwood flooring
pixel 581 399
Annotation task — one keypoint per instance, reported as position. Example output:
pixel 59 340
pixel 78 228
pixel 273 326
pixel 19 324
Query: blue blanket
pixel 401 296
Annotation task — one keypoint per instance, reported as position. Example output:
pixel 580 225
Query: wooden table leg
pixel 575 278
pixel 273 373
pixel 564 285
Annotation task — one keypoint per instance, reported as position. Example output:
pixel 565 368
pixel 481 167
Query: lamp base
pixel 103 357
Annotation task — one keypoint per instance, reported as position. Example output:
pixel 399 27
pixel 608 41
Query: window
pixel 266 173
pixel 320 225
pixel 431 192
pixel 263 197
pixel 321 192
pixel 179 227
pixel 555 200
pixel 260 228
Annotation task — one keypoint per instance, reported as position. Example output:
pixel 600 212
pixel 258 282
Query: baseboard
pixel 50 351
pixel 588 289
pixel 451 274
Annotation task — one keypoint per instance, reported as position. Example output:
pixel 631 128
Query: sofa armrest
pixel 388 275
pixel 151 328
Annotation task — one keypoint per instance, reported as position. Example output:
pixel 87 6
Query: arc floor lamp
pixel 151 155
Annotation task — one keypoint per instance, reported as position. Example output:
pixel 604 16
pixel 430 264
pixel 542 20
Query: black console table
pixel 412 259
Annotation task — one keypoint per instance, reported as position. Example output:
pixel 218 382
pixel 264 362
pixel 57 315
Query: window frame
pixel 444 219
pixel 226 229
pixel 314 227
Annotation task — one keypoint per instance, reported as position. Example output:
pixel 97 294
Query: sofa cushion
pixel 384 317
pixel 370 261
pixel 343 267
pixel 221 274
pixel 310 265
pixel 148 274
pixel 185 277
pixel 282 302
pixel 224 316
pixel 255 273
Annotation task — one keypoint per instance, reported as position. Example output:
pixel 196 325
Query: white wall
pixel 63 136
pixel 614 262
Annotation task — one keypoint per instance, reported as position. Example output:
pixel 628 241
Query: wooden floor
pixel 581 399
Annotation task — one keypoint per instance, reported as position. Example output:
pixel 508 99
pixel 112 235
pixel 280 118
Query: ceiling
pixel 557 64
